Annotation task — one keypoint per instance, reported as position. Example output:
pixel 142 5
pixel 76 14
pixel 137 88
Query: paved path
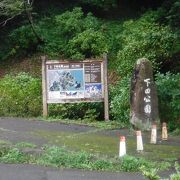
pixel 22 130
pixel 29 172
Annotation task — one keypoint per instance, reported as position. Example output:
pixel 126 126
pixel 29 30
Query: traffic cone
pixel 122 146
pixel 139 141
pixel 153 134
pixel 164 131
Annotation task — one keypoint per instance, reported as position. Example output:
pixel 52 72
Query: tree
pixel 9 9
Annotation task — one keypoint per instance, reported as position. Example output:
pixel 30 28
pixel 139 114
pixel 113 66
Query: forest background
pixel 127 30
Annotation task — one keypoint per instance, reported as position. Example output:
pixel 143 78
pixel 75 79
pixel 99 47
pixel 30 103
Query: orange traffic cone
pixel 139 141
pixel 153 134
pixel 122 146
pixel 164 131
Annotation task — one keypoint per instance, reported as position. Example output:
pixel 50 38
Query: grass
pixel 176 132
pixel 4 143
pixel 25 145
pixel 98 124
pixel 55 156
pixel 13 155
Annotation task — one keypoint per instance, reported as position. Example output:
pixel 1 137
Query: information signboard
pixel 71 82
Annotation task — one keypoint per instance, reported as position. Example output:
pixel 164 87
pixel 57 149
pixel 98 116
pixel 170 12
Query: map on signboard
pixel 66 80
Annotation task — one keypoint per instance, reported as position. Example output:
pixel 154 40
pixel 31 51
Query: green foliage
pixel 61 157
pixel 176 132
pixel 170 13
pixel 148 168
pixel 91 115
pixel 12 156
pixel 20 95
pixel 87 111
pixel 11 7
pixel 133 164
pixel 87 44
pixel 73 35
pixel 102 164
pixel 25 145
pixel 58 157
pixel 55 156
pixel 176 176
pixel 168 86
pixel 151 174
pixel 70 23
pixel 120 107
pixel 144 38
pixel 26 42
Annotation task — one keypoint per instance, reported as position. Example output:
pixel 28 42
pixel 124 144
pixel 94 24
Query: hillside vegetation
pixel 76 30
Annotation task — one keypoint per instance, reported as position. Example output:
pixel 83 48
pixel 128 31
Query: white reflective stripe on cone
pixel 122 146
pixel 153 135
pixel 139 141
pixel 164 132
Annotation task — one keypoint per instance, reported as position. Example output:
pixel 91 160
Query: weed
pixel 176 176
pixel 151 174
pixel 61 157
pixel 12 156
pixel 25 145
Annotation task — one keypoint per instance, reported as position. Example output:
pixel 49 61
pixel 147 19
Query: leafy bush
pixel 120 107
pixel 12 156
pixel 20 95
pixel 73 35
pixel 130 163
pixel 87 111
pixel 170 13
pixel 168 86
pixel 61 34
pixel 87 44
pixel 70 23
pixel 144 38
pixel 24 44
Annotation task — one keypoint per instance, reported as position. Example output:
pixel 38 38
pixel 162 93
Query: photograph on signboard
pixel 93 90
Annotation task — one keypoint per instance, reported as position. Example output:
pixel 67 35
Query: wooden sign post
pixel 74 81
pixel 106 97
pixel 44 87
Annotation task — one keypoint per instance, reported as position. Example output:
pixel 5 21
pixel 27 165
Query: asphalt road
pixel 30 172
pixel 16 130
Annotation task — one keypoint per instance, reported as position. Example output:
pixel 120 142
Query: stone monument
pixel 143 96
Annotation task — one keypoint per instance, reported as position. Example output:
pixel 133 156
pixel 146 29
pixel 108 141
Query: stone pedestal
pixel 143 96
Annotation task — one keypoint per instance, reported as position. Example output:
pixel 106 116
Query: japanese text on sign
pixel 147 98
